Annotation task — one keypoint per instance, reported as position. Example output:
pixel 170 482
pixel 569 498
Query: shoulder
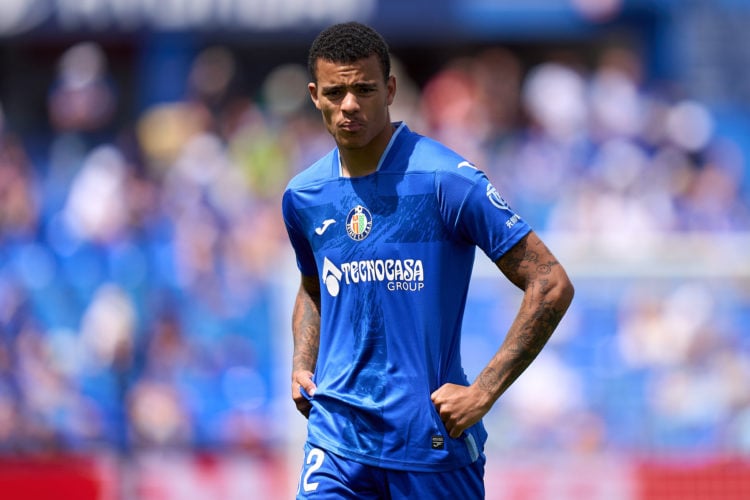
pixel 428 154
pixel 318 172
pixel 306 187
pixel 432 154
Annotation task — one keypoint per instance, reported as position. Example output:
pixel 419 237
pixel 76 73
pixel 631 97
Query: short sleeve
pixel 476 212
pixel 300 244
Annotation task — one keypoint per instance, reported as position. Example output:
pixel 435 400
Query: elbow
pixel 564 292
pixel 559 291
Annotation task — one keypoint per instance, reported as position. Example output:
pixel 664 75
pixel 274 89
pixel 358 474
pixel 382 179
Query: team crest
pixel 358 223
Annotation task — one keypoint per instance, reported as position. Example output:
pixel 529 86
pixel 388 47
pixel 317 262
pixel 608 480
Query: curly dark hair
pixel 347 43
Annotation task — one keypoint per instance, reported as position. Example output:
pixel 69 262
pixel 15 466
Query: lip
pixel 351 126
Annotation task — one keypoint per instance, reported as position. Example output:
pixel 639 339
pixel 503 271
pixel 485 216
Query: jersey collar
pixel 399 127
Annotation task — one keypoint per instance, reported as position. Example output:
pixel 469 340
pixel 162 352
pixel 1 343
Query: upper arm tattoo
pixel 526 262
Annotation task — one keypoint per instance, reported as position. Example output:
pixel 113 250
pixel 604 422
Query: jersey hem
pixel 387 464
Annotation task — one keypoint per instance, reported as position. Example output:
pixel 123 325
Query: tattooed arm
pixel 547 294
pixel 306 333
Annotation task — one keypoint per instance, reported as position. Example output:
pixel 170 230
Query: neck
pixel 357 162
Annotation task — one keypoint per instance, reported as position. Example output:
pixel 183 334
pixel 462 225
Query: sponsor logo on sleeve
pixel 495 198
pixel 498 202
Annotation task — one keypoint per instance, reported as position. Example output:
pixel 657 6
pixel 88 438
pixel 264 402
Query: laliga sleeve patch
pixel 495 198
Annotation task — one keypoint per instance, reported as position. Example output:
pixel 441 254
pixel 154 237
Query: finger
pixel 309 388
pixel 437 394
pixel 305 383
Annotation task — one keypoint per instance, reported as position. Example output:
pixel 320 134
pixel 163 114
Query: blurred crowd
pixel 140 262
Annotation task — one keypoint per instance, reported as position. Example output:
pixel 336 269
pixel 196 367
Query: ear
pixel 313 89
pixel 391 89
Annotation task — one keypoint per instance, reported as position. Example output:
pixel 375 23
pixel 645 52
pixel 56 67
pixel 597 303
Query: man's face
pixel 354 100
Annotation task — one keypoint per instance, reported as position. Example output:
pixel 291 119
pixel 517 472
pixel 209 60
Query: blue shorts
pixel 329 476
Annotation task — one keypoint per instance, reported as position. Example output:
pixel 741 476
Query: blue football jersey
pixel 394 252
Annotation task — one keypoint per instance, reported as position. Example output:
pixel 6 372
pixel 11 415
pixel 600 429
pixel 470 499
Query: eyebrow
pixel 357 85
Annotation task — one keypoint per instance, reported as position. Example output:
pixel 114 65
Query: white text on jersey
pixel 398 274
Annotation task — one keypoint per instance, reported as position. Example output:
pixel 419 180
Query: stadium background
pixel 145 278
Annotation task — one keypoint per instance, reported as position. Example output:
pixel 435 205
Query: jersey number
pixel 315 457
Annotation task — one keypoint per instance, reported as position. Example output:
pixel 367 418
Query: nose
pixel 349 104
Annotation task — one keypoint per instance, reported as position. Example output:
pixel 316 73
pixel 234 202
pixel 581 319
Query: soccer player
pixel 384 229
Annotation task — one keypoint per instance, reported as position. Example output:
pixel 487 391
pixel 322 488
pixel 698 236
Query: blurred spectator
pixel 82 97
pixel 158 418
pixel 19 208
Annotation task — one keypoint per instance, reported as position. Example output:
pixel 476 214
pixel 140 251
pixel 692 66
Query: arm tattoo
pixel 488 379
pixel 542 308
pixel 306 329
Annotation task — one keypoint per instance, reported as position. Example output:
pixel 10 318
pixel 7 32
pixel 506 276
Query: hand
pixel 459 407
pixel 302 378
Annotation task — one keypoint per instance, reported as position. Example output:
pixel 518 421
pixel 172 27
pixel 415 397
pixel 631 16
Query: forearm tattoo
pixel 306 331
pixel 538 316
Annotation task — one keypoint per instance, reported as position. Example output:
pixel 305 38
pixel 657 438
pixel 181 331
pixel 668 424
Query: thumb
pixel 307 385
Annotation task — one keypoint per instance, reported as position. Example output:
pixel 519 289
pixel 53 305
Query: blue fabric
pixel 394 252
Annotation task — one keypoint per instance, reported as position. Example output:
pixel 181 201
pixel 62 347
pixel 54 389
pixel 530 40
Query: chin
pixel 347 141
